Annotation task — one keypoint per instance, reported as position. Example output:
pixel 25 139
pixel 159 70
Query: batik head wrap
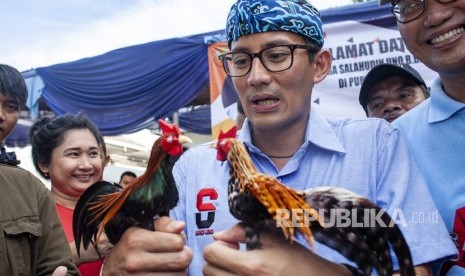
pixel 258 16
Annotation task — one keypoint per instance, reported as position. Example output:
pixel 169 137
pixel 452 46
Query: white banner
pixel 356 48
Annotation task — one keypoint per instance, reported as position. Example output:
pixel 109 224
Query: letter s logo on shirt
pixel 202 206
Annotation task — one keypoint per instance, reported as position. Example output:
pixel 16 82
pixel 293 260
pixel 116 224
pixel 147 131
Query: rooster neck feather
pixel 239 163
pixel 256 198
pixel 157 155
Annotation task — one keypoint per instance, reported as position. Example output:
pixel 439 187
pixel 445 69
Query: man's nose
pixel 391 106
pixel 258 73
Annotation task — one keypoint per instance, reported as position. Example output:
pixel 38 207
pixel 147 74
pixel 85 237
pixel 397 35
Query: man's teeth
pixel 266 102
pixel 447 35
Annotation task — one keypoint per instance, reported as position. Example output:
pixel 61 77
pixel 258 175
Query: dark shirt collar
pixel 8 158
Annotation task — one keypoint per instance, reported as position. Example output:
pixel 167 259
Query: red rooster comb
pixel 170 142
pixel 168 128
pixel 231 133
pixel 222 151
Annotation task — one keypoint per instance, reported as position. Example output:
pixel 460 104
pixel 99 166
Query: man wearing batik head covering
pixel 278 58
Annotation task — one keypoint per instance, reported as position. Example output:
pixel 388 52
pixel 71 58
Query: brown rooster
pixel 107 208
pixel 258 201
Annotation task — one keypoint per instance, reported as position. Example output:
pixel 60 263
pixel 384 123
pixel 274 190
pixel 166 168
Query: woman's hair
pixel 46 134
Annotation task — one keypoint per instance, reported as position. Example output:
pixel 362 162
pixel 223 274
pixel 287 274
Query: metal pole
pixel 176 118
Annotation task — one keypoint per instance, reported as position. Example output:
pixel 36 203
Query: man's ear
pixel 322 62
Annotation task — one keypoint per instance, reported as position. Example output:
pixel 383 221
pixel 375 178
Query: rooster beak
pixel 184 139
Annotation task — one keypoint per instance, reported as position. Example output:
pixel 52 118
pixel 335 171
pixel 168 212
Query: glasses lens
pixel 408 10
pixel 278 58
pixel 236 64
pixel 274 59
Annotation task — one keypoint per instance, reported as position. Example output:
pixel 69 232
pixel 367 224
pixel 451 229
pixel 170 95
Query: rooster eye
pixel 222 143
pixel 170 139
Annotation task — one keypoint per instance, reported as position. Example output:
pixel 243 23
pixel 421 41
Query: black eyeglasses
pixel 274 59
pixel 408 10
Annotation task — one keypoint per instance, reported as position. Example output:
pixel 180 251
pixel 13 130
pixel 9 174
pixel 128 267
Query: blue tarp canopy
pixel 128 89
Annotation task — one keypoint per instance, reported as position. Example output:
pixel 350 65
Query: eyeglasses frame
pixel 292 47
pixel 424 8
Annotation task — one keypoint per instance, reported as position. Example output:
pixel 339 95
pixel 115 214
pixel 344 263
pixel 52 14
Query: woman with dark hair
pixel 66 150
